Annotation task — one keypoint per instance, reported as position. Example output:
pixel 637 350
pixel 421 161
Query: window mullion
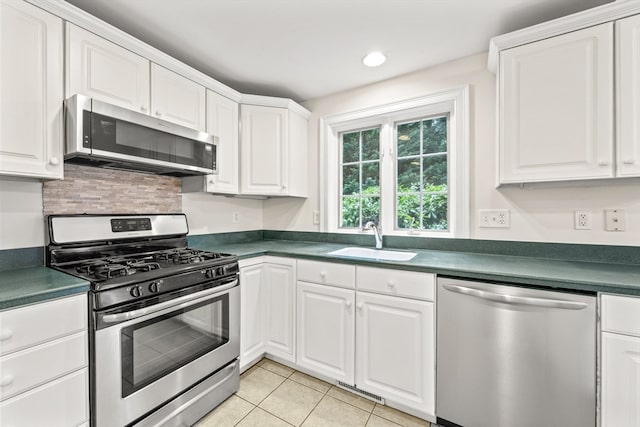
pixel 387 178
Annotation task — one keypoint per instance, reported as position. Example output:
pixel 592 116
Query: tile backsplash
pixel 93 190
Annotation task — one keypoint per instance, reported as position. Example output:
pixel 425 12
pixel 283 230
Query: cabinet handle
pixel 158 113
pixel 628 161
pixel 6 380
pixel 347 303
pixel 360 306
pixel 603 163
pixel 54 161
pixel 6 334
pixel 143 109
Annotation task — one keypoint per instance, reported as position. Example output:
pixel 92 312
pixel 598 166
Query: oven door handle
pixel 176 303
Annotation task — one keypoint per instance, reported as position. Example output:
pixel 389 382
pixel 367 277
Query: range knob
pixel 211 273
pixel 154 287
pixel 135 291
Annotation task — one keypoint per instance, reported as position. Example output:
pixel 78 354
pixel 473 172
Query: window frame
pixel 453 102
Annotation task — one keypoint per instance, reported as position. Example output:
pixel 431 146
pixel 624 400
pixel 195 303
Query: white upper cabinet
pixel 177 99
pixel 222 121
pixel 628 96
pixel 106 71
pixel 556 108
pixel 273 151
pixel 264 131
pixel 103 70
pixel 31 91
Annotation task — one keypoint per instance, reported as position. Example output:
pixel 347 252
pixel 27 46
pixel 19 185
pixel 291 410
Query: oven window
pixel 158 346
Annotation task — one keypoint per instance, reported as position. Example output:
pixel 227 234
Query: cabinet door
pixel 395 350
pixel 264 132
pixel 628 96
pixel 620 380
pixel 222 121
pixel 177 99
pixel 252 314
pixel 103 70
pixel 280 307
pixel 556 108
pixel 31 77
pixel 325 336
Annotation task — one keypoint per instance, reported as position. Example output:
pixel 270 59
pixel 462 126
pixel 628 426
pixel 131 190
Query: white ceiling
pixel 304 49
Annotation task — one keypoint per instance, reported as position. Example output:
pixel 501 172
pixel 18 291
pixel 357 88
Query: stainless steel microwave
pixel 105 135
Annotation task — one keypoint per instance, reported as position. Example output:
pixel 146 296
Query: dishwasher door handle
pixel 514 299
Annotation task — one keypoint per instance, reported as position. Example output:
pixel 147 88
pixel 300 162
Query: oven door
pixel 153 354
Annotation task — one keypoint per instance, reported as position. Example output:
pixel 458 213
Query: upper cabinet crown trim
pixel 89 22
pixel 598 15
pixel 269 101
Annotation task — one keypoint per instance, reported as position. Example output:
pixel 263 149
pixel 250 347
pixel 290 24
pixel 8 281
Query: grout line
pixel 351 404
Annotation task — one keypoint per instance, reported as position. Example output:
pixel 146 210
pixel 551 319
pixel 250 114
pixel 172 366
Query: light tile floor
pixel 274 395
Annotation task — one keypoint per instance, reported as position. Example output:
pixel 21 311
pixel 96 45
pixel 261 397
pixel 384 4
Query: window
pixel 403 166
pixel 421 174
pixel 360 177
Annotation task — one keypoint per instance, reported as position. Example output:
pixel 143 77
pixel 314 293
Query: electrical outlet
pixel 316 217
pixel 236 217
pixel 582 220
pixel 494 218
pixel 614 219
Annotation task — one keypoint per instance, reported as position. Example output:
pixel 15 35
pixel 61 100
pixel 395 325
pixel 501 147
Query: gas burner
pixel 185 256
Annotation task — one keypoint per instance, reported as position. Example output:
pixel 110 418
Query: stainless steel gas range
pixel 164 318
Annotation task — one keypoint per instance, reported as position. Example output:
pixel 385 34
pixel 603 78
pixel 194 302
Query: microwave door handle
pixel 177 303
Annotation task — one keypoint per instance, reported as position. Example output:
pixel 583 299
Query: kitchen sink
pixel 377 254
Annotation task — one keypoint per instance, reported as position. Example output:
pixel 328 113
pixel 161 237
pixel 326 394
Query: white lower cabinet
pixel 620 361
pixel 326 325
pixel 395 349
pixel 267 301
pixel 280 307
pixel 43 367
pixel 252 312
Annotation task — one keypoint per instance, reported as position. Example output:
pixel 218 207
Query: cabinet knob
pixel 347 303
pixel 158 113
pixel 54 161
pixel 323 274
pixel 391 285
pixel 143 109
pixel 360 306
pixel 211 181
pixel 628 161
pixel 5 334
pixel 6 380
pixel 603 162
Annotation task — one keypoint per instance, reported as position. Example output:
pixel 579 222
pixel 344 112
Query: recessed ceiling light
pixel 374 59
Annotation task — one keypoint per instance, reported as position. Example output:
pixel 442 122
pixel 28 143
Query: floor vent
pixel 362 393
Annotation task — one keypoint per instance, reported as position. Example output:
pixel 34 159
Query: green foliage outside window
pixel 421 172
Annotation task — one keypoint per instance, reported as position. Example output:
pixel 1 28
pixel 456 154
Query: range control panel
pixel 130 224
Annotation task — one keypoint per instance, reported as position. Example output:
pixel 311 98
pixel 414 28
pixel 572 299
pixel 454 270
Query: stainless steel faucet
pixel 377 232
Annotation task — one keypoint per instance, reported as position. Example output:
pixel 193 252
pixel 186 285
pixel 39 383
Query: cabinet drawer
pixel 34 366
pixel 400 283
pixel 327 273
pixel 621 314
pixel 35 324
pixel 60 403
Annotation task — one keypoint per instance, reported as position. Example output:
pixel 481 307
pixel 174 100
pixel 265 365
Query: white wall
pixel 207 213
pixel 21 219
pixel 538 214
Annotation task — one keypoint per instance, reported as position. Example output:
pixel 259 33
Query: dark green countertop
pixel 36 284
pixel 573 275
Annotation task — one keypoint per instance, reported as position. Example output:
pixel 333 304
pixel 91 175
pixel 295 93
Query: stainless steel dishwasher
pixel 509 356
